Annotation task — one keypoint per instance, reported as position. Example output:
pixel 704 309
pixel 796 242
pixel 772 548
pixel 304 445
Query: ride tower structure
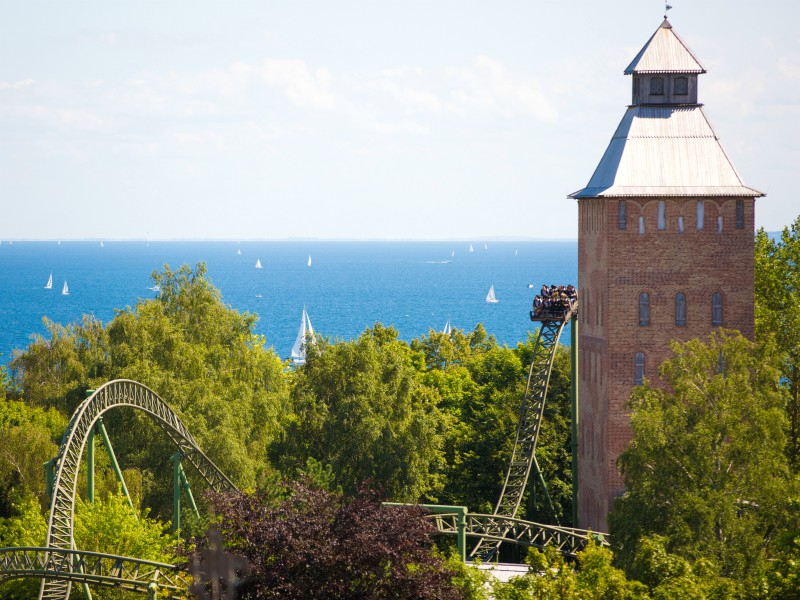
pixel 665 252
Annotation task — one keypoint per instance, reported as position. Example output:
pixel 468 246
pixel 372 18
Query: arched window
pixel 719 224
pixel 623 214
pixel 701 213
pixel 740 214
pixel 644 309
pixel 680 309
pixel 662 214
pixel 657 86
pixel 638 369
pixel 680 224
pixel 641 225
pixel 681 86
pixel 716 309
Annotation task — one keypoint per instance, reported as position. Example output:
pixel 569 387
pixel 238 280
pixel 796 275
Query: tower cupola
pixel 665 70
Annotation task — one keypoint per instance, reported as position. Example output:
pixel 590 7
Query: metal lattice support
pixel 62 506
pixel 530 418
pixel 120 572
pixel 496 529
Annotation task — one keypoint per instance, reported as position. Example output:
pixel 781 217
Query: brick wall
pixel 614 267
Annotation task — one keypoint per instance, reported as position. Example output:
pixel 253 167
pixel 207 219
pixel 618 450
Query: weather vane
pixel 667 7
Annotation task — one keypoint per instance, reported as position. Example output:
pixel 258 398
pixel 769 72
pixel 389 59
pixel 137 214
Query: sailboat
pixel 239 251
pixel 485 247
pixel 65 289
pixel 305 335
pixel 452 254
pixel 447 328
pixel 49 284
pixel 101 244
pixel 471 249
pixel 258 263
pixel 490 297
pixel 309 260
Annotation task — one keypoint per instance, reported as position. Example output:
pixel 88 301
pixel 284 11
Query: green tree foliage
pixel 551 578
pixel 29 437
pixel 198 354
pixel 359 407
pixel 318 544
pixel 706 467
pixel 777 309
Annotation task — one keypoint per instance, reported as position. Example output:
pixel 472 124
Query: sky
pixel 433 119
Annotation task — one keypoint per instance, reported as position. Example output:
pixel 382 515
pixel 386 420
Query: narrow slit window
pixel 662 214
pixel 638 369
pixel 644 309
pixel 716 309
pixel 719 224
pixel 680 309
pixel 680 224
pixel 623 214
pixel 701 213
pixel 740 214
pixel 641 225
pixel 681 86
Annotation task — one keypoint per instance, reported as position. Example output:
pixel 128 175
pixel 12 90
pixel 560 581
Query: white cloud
pixel 16 85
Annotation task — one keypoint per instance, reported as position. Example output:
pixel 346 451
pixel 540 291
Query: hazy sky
pixel 359 119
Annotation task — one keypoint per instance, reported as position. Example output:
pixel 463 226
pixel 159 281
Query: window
pixel 740 214
pixel 681 86
pixel 701 214
pixel 657 86
pixel 638 369
pixel 623 214
pixel 680 309
pixel 716 309
pixel 662 214
pixel 635 85
pixel 644 309
pixel 641 225
pixel 680 224
pixel 719 224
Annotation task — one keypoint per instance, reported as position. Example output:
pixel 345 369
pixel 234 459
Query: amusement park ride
pixel 59 564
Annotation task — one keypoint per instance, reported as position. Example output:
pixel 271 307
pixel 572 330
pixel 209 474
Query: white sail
pixel 485 247
pixel 490 297
pixel 471 249
pixel 239 251
pixel 49 284
pixel 452 254
pixel 309 260
pixel 258 263
pixel 305 335
pixel 65 289
pixel 447 328
pixel 101 243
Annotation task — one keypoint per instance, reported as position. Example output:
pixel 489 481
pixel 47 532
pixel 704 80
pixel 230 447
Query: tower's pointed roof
pixel 665 52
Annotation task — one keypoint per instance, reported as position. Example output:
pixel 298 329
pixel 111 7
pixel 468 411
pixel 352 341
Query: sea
pixel 349 286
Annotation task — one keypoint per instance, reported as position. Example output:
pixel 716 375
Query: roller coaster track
pixel 523 457
pixel 63 562
pixel 78 566
pixel 495 529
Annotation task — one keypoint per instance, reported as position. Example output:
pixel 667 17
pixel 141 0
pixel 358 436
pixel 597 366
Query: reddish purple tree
pixel 318 544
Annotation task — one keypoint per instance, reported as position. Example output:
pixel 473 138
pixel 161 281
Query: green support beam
pixel 114 464
pixel 176 492
pixel 50 475
pixel 574 432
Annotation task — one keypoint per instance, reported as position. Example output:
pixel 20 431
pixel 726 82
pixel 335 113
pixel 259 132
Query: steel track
pixel 523 457
pixel 114 394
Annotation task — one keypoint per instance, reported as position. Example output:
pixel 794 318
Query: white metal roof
pixel 665 151
pixel 665 52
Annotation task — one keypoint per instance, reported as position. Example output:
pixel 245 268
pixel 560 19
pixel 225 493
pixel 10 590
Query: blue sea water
pixel 414 286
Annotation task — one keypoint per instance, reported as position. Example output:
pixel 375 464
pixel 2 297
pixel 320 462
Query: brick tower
pixel 665 252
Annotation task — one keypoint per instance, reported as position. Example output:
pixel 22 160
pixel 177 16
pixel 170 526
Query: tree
pixel 359 407
pixel 706 467
pixel 318 544
pixel 198 354
pixel 777 311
